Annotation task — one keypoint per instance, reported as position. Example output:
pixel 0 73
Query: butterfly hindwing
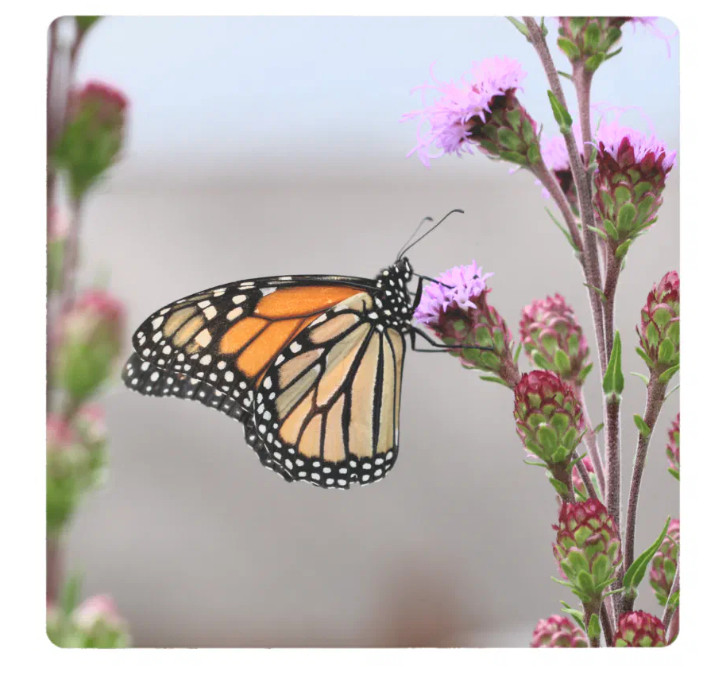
pixel 328 408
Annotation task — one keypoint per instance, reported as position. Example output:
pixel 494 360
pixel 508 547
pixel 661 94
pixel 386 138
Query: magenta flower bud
pixel 639 629
pixel 587 549
pixel 659 330
pixel 673 447
pixel 630 178
pixel 100 624
pixel 88 342
pixel 554 340
pixel 481 112
pixel 456 309
pixel 548 417
pixel 558 631
pixel 664 563
pixel 93 136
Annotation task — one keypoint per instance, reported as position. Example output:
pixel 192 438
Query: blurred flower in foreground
pixel 100 623
pixel 554 340
pixel 57 234
pixel 75 463
pixel 639 629
pixel 587 549
pixel 630 178
pixel 95 623
pixel 659 329
pixel 481 111
pixel 558 631
pixel 93 136
pixel 664 563
pixel 456 308
pixel 673 447
pixel 88 342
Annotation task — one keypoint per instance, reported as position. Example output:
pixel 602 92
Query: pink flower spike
pixel 455 288
pixel 459 107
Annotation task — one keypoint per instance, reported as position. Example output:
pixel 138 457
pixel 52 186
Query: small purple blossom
pixel 614 140
pixel 649 23
pixel 456 288
pixel 460 105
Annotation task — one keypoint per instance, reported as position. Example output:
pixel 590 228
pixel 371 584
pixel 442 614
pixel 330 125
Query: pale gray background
pixel 272 146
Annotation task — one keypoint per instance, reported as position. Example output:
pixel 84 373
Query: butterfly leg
pixel 440 348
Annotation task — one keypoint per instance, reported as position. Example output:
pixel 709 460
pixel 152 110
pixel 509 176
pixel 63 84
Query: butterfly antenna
pixel 414 233
pixel 428 231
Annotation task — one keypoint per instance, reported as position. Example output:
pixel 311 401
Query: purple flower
pixel 455 288
pixel 456 309
pixel 461 107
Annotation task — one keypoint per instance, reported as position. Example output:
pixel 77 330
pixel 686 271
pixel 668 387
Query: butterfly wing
pixel 327 409
pixel 216 346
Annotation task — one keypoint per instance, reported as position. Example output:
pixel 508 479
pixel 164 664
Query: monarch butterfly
pixel 311 365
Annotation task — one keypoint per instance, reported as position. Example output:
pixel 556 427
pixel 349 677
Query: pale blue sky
pixel 331 87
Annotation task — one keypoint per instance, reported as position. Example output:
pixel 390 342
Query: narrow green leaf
pixel 593 62
pixel 534 463
pixel 595 628
pixel 641 424
pixel 612 54
pixel 598 428
pixel 644 377
pixel 668 374
pixel 518 353
pixel 566 233
pixel 71 593
pixel 569 48
pixel 577 615
pixel 601 294
pixel 520 27
pixel 613 378
pixel 495 380
pixel 566 75
pixel 636 572
pixel 561 114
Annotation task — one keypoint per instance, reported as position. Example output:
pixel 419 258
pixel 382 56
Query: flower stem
pixel 594 639
pixel 546 177
pixel 655 399
pixel 592 269
pixel 591 442
pixel 53 568
pixel 606 624
pixel 670 610
pixel 613 497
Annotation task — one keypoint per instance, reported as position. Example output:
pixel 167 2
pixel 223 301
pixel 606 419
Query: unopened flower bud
pixel 558 631
pixel 480 112
pixel 659 330
pixel 664 563
pixel 587 40
pixel 639 629
pixel 93 136
pixel 88 342
pixel 630 178
pixel 456 309
pixel 554 340
pixel 548 416
pixel 587 549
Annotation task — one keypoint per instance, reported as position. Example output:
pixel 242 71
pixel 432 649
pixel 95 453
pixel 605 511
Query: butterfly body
pixel 310 365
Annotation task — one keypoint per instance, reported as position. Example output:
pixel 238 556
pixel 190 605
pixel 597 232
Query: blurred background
pixel 262 146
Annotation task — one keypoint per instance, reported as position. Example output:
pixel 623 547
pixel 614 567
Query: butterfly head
pixel 402 269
